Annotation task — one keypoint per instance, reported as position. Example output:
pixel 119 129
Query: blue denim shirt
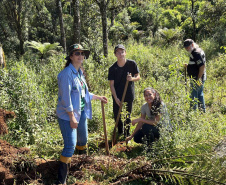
pixel 69 94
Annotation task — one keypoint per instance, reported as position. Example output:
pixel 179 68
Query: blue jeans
pixel 73 137
pixel 197 96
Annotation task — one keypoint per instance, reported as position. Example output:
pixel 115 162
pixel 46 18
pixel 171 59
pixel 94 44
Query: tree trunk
pixel 20 37
pixel 193 20
pixel 103 10
pixel 62 32
pixel 14 15
pixel 19 27
pixel 77 25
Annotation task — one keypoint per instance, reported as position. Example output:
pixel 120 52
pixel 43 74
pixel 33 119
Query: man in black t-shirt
pixel 121 71
pixel 196 69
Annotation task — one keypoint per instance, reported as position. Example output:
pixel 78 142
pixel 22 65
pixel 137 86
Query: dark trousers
pixel 148 133
pixel 126 126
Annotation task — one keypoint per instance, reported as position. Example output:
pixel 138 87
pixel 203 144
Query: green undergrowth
pixel 184 155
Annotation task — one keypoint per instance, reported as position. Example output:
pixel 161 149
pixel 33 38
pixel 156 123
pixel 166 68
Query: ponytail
pixel 67 63
pixel 68 59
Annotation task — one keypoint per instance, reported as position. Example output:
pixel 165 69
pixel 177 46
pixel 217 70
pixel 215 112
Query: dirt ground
pixel 17 168
pixel 4 116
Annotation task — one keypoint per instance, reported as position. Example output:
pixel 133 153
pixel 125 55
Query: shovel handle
pixel 119 112
pixel 105 129
pixel 185 78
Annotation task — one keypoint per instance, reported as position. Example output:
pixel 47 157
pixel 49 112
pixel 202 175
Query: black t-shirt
pixel 119 75
pixel 197 59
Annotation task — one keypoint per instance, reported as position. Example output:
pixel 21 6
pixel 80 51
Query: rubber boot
pixel 80 152
pixel 62 173
pixel 63 169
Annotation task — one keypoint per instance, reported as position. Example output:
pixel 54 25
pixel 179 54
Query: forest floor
pixel 17 168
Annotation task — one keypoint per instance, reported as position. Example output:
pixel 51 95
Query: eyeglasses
pixel 77 53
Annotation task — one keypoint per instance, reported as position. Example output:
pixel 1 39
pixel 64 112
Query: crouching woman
pixel 153 116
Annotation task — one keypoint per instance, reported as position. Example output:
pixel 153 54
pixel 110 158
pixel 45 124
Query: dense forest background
pixel 35 35
pixel 100 23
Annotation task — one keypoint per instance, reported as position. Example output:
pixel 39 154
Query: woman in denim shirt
pixel 74 107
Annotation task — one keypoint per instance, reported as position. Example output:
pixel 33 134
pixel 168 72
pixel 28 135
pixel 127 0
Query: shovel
pixel 119 112
pixel 185 78
pixel 105 130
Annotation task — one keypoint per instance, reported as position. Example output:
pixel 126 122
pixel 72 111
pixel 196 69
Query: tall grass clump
pixel 30 90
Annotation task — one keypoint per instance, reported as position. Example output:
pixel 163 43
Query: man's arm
pixel 201 71
pixel 113 92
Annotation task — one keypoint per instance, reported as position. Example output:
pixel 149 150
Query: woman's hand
pixel 73 123
pixel 103 99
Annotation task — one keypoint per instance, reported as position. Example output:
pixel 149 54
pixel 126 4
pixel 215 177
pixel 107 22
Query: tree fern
pixel 45 48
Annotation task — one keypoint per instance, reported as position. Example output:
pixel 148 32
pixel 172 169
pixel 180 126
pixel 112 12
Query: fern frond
pixel 173 175
pixel 36 45
pixel 43 48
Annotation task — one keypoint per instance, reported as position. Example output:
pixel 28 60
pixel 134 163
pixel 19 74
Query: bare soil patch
pixel 4 115
pixel 17 167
